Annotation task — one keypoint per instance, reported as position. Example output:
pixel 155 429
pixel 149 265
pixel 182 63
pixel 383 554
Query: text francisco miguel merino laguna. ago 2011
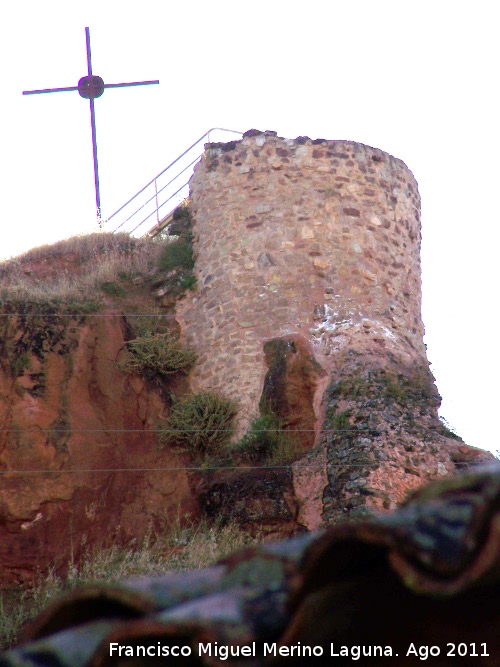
pixel 224 652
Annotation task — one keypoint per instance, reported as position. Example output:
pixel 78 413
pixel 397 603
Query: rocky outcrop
pixel 295 278
pixel 381 435
pixel 259 500
pixel 79 460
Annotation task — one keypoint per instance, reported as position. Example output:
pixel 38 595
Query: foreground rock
pixel 396 589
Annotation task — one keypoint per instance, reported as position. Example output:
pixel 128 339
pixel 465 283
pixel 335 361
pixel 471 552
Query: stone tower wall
pixel 317 239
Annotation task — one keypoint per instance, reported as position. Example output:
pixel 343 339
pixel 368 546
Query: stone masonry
pixel 312 238
pixel 317 243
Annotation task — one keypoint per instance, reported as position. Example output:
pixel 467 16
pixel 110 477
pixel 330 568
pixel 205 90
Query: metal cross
pixel 90 87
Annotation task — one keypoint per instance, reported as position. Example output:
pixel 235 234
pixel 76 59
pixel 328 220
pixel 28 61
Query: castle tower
pixel 318 239
pixel 309 298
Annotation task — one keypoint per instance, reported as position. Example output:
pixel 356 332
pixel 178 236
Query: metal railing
pixel 154 203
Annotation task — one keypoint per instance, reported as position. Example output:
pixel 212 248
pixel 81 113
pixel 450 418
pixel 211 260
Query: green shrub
pixel 177 255
pixel 261 439
pixel 188 282
pixel 202 424
pixel 181 212
pixel 157 355
pixel 112 289
pixel 152 323
pixel 266 441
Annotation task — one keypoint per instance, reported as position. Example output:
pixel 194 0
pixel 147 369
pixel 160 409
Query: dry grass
pixel 72 269
pixel 185 548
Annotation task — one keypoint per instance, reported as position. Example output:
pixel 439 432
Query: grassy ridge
pixel 75 268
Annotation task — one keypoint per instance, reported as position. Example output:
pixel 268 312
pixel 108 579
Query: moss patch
pixel 273 400
pixel 367 408
pixel 407 389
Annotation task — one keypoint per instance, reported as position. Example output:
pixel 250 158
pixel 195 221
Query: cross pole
pixel 89 87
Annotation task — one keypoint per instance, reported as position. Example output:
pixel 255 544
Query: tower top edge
pixel 262 137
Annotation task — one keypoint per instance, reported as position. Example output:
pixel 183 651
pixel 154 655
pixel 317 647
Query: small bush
pixel 189 282
pixel 158 355
pixel 112 289
pixel 181 212
pixel 202 424
pixel 154 323
pixel 266 441
pixel 261 439
pixel 177 255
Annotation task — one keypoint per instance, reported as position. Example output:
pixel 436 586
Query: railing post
pixel 156 199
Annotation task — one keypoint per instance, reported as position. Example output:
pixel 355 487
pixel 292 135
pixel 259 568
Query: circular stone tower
pixel 309 295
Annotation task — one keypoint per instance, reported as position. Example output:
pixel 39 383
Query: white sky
pixel 416 79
